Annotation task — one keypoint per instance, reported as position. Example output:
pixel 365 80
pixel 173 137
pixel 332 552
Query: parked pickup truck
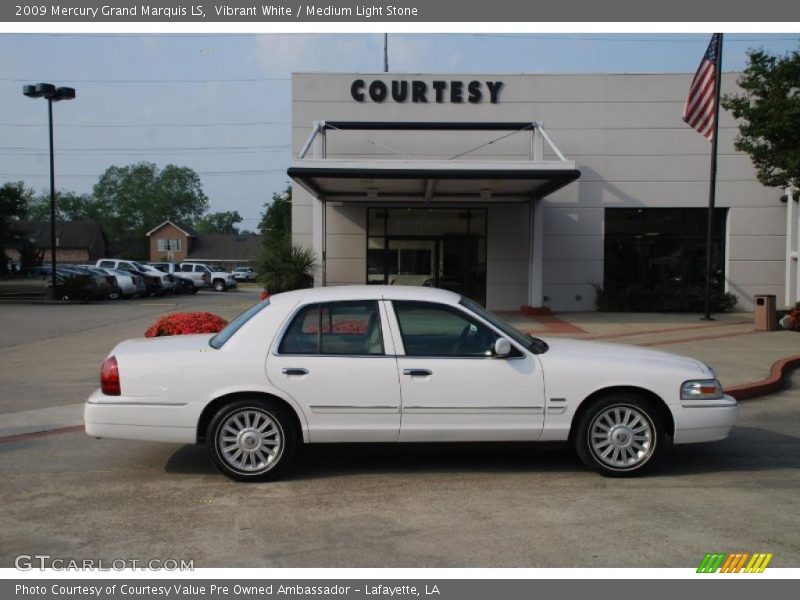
pixel 199 272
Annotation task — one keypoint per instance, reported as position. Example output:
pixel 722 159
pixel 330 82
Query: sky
pixel 221 104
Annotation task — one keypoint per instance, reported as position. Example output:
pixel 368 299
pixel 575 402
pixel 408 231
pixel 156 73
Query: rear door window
pixel 335 328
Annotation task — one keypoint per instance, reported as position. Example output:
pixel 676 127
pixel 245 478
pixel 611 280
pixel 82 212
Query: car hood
pixel 580 350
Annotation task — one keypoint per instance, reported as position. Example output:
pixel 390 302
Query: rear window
pixel 219 340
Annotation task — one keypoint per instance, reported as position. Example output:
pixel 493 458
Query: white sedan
pixel 399 364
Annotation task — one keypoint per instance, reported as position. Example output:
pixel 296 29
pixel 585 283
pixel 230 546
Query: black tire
pixel 195 290
pixel 219 285
pixel 115 293
pixel 275 465
pixel 636 435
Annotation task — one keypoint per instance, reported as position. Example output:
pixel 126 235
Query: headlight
pixel 703 389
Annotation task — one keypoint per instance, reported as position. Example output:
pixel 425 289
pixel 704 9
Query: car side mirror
pixel 502 347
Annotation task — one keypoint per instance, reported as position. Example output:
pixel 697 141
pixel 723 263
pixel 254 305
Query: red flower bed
pixel 794 318
pixel 186 323
pixel 340 326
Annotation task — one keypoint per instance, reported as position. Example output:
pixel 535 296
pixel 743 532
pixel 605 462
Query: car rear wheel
pixel 620 436
pixel 252 440
pixel 219 285
pixel 115 293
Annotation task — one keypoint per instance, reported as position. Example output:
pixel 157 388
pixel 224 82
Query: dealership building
pixel 531 190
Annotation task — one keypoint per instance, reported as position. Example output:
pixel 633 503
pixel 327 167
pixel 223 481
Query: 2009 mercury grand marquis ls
pixel 399 364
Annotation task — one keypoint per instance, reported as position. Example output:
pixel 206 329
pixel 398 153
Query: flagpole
pixel 712 188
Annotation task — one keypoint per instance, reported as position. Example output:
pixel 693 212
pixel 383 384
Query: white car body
pixel 530 396
pixel 219 280
pixel 244 274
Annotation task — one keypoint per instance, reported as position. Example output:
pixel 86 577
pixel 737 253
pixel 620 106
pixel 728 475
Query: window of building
pixel 435 247
pixel 165 245
pixel 655 258
pixel 438 330
pixel 336 328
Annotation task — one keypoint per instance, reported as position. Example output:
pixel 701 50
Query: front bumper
pixel 704 421
pixel 146 419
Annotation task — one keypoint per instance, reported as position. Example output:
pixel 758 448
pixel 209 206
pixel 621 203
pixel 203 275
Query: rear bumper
pixel 704 421
pixel 146 419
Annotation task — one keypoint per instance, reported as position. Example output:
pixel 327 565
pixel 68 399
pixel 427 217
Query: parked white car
pixel 399 364
pixel 202 274
pixel 244 274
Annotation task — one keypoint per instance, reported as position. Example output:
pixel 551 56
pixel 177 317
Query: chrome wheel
pixel 250 441
pixel 622 437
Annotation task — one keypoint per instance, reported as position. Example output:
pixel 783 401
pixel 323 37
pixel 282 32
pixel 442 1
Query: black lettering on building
pixel 456 92
pixel 475 93
pixel 440 87
pixel 355 90
pixel 399 91
pixel 494 90
pixel 377 91
pixel 419 91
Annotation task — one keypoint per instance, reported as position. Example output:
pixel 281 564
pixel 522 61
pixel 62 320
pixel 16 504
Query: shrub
pixel 284 268
pixel 636 298
pixel 185 324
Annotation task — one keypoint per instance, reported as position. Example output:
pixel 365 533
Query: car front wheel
pixel 219 285
pixel 252 440
pixel 620 436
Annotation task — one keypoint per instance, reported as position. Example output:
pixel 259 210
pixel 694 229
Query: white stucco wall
pixel 627 138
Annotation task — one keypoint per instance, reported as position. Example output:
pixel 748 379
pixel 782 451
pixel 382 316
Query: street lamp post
pixel 52 94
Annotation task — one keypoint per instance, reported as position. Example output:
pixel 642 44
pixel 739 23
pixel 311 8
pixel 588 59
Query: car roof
pixel 368 292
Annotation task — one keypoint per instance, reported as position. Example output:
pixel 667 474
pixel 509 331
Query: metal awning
pixel 428 180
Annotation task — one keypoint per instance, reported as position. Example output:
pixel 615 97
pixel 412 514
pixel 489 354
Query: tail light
pixel 109 377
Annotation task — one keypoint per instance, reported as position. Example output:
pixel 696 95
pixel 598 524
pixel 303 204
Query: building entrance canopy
pixel 409 179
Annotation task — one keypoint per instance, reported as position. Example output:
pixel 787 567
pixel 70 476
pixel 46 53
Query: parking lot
pixel 473 505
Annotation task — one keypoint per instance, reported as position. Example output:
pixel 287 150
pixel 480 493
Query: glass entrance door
pixel 435 247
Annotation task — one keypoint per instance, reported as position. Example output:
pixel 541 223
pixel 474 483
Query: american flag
pixel 702 100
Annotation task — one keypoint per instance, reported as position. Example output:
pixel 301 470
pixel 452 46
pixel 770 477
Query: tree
pixel 276 220
pixel 219 222
pixel 769 110
pixel 283 266
pixel 14 200
pixel 70 206
pixel 132 200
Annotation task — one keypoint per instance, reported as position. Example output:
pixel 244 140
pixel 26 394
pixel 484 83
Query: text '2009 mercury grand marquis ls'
pixel 399 364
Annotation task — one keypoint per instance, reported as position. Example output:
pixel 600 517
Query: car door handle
pixel 295 371
pixel 417 372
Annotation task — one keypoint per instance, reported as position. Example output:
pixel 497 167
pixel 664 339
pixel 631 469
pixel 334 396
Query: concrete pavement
pixel 426 505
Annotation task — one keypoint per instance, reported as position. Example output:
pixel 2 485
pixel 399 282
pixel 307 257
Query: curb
pixel 18 437
pixel 770 384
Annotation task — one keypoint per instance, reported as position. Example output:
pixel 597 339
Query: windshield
pixel 524 339
pixel 140 266
pixel 219 340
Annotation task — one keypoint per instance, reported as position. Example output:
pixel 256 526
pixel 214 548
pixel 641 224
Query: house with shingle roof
pixel 76 241
pixel 178 242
